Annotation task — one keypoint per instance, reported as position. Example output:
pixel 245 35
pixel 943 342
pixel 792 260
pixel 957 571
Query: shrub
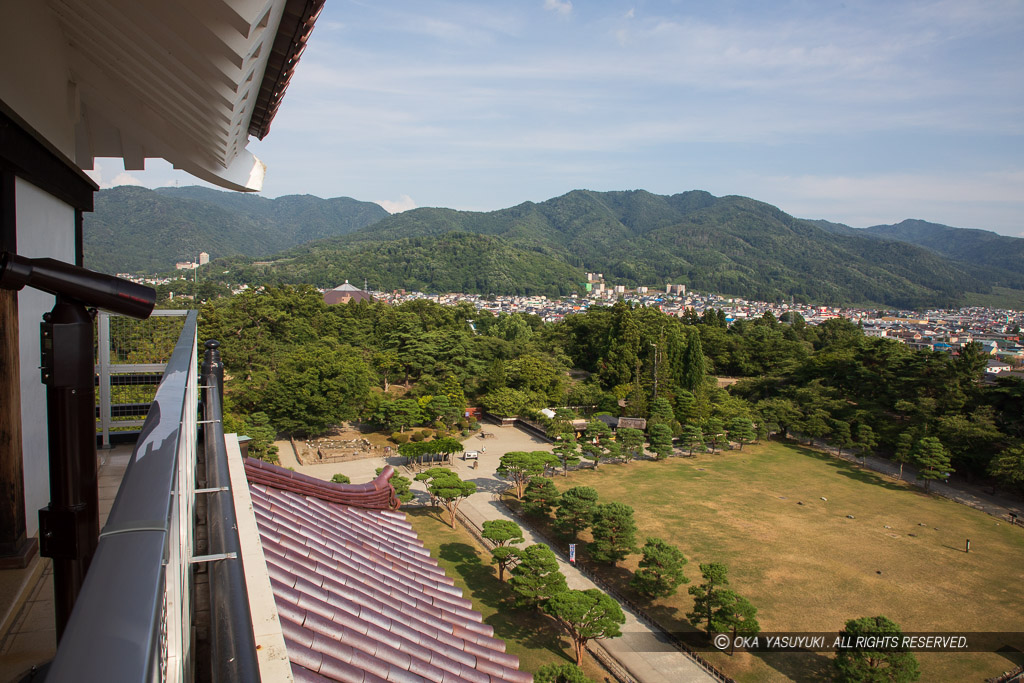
pixel 474 425
pixel 417 436
pixel 400 438
pixel 463 423
pixel 465 432
pixel 341 479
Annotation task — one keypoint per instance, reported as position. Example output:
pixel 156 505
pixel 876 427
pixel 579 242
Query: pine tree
pixel 540 497
pixel 932 461
pixel 661 570
pixel 741 430
pixel 614 532
pixel 866 665
pixel 575 510
pixel 536 578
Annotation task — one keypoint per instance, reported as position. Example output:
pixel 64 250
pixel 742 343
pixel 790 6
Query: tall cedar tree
pixel 661 570
pixel 536 578
pixel 575 510
pixel 586 615
pixel 614 532
pixel 862 665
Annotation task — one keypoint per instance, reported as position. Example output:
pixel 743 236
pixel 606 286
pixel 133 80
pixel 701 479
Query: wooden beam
pixel 15 549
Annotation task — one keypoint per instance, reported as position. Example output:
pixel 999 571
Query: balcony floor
pixel 28 637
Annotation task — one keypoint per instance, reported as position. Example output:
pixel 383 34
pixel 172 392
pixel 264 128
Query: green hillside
pixel 733 245
pixel 134 229
pixel 1001 258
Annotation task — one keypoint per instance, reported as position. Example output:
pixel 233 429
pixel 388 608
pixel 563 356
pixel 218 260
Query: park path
pixel 957 490
pixel 640 650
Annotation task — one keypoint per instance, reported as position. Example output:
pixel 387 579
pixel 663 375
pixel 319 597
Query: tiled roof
pixel 359 597
pixel 375 495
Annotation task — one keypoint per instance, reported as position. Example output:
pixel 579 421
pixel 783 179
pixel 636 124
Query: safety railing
pixel 134 617
pixel 130 359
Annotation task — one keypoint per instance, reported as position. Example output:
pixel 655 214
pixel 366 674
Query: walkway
pixel 959 491
pixel 666 665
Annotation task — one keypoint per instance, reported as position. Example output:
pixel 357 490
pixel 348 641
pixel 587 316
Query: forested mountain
pixel 134 229
pixel 732 245
pixel 1003 256
pixel 729 244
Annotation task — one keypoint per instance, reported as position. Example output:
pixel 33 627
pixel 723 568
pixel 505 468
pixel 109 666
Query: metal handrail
pixel 133 618
pixel 232 643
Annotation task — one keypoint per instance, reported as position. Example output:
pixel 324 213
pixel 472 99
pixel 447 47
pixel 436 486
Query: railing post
pixel 69 527
pixel 103 347
pixel 232 643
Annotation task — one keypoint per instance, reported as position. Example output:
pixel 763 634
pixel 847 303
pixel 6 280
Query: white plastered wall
pixel 46 228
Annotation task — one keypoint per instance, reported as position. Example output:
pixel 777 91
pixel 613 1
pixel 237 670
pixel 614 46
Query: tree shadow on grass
pixel 799 666
pixel 526 626
pixel 849 470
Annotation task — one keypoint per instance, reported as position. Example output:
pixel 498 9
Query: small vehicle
pixel 471 455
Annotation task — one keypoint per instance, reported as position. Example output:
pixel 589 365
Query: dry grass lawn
pixel 809 567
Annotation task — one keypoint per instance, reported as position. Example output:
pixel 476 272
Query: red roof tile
pixel 359 597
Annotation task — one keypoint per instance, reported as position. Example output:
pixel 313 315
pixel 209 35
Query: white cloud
pixel 989 201
pixel 125 179
pixel 563 7
pixel 403 203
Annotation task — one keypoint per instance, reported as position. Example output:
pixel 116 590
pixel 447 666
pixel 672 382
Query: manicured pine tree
pixel 713 432
pixel 932 461
pixel 560 673
pixel 536 578
pixel 447 487
pixel 540 497
pixel 866 439
pixel 631 441
pixel 522 466
pixel 707 596
pixel 586 615
pixel 660 437
pixel 841 436
pixel 661 570
pixel 741 430
pixel 904 451
pixel 503 533
pixel 614 532
pixel 866 665
pixel 568 451
pixel 575 510
pixel 692 436
pixel 734 613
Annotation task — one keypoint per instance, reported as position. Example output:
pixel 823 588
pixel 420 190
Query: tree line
pixel 299 366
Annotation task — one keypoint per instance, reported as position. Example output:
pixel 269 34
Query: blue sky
pixel 856 112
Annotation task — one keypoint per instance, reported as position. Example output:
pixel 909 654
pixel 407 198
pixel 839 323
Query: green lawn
pixel 528 634
pixel 809 567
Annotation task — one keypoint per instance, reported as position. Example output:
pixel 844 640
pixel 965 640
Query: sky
pixel 861 113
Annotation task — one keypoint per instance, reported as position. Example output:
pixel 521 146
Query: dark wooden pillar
pixel 15 549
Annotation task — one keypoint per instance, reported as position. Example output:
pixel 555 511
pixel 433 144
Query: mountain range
pixel 732 245
pixel 133 229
